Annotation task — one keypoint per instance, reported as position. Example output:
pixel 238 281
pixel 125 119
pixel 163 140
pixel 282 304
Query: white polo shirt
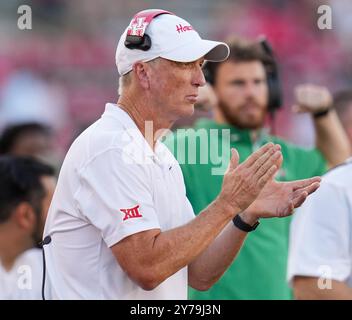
pixel 321 230
pixel 111 185
pixel 24 280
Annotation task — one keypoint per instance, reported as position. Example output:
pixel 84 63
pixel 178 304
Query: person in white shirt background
pixel 26 190
pixel 320 255
pixel 120 224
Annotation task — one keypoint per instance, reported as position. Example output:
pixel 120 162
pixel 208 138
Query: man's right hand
pixel 243 183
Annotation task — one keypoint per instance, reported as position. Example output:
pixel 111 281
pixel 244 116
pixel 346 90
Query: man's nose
pixel 250 89
pixel 199 78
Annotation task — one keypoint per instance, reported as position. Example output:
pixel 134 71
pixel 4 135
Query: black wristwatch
pixel 321 114
pixel 240 224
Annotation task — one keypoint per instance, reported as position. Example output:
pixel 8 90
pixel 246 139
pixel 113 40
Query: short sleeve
pixel 320 236
pixel 115 196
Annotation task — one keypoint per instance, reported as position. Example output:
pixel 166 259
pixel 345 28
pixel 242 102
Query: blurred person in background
pixel 27 139
pixel 318 271
pixel 27 97
pixel 241 88
pixel 320 254
pixel 26 190
pixel 33 113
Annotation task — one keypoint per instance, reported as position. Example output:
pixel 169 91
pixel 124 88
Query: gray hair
pixel 126 79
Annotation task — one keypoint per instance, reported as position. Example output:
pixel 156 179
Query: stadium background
pixel 63 71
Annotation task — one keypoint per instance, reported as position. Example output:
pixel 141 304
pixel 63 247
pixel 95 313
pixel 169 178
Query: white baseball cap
pixel 172 38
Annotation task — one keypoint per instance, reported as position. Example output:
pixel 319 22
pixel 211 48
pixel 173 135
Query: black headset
pixel 273 78
pixel 272 75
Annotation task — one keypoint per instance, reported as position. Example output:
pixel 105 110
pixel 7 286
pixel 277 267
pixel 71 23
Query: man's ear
pixel 141 72
pixel 25 216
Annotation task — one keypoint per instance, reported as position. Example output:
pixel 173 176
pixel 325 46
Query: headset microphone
pixel 46 241
pixel 43 243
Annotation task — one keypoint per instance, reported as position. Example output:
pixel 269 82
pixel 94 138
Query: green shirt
pixel 259 271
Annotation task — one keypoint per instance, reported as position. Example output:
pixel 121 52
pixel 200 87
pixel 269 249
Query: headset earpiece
pixel 135 42
pixel 273 78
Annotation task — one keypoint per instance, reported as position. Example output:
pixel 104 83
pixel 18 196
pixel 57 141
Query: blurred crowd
pixel 67 60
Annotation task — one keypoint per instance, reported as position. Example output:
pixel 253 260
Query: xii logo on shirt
pixel 131 213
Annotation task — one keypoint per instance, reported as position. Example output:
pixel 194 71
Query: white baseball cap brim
pixel 211 50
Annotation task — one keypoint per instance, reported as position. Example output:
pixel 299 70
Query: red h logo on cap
pixel 137 27
pixel 141 21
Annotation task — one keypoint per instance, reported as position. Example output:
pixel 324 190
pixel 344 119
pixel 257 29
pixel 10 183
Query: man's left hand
pixel 278 199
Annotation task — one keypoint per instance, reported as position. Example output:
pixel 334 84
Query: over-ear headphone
pixel 273 78
pixel 136 37
pixel 272 75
